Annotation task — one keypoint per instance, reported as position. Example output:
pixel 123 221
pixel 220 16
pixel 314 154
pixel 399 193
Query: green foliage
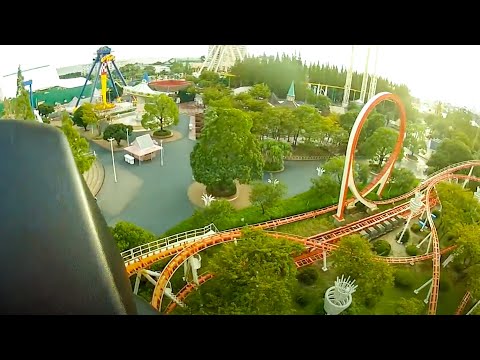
pixel 411 306
pixel 348 119
pixel 118 132
pixel 226 151
pixel 404 279
pixel 274 152
pixel 45 109
pixel 128 235
pixel 405 237
pixel 307 276
pixel 162 133
pixel 411 250
pixel 459 208
pixel 437 213
pixel 378 146
pixel 401 180
pixel 85 115
pixel 473 280
pixel 219 212
pixel 159 112
pixel 449 152
pixel 382 247
pixel 260 92
pixel 267 195
pixel 468 252
pixel 415 228
pixel 255 276
pixel 415 137
pixel 215 93
pixel 371 276
pixel 79 146
pixel 445 284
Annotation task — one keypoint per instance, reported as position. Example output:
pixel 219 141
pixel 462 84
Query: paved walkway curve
pixel 94 177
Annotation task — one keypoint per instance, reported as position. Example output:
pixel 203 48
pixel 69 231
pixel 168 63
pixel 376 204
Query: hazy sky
pixel 432 72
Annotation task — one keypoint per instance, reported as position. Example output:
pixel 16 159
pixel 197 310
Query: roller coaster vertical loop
pixel 381 178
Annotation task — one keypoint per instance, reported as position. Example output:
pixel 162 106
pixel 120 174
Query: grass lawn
pixel 308 227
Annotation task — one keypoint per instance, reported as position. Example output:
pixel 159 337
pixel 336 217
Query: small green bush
pixel 382 247
pixel 162 133
pixel 411 250
pixel 405 238
pixel 415 228
pixel 404 279
pixel 308 276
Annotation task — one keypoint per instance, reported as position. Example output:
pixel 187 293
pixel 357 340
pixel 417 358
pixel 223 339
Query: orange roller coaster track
pixel 180 258
pixel 317 242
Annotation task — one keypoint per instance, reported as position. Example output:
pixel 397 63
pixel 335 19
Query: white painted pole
pixel 425 239
pixel 113 159
pixel 324 268
pixel 428 295
pixel 473 308
pixel 416 291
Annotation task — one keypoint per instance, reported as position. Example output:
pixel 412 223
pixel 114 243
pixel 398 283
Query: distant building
pixel 288 102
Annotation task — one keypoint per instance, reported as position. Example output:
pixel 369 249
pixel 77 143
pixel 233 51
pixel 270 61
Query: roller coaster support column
pixel 429 294
pixel 415 205
pixel 448 260
pixel 148 275
pixel 416 291
pixel 190 268
pixel 324 268
pixel 466 180
pixel 473 308
pixel 476 194
pixel 429 244
pixel 348 82
pixel 137 282
pixel 425 239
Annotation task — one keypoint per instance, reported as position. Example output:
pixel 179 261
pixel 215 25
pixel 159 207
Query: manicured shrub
pixel 382 247
pixel 405 238
pixel 411 250
pixel 404 279
pixel 415 228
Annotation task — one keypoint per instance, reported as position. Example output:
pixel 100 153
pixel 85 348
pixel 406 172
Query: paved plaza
pixel 155 197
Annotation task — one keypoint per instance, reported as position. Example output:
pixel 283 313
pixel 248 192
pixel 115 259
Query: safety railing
pixel 131 255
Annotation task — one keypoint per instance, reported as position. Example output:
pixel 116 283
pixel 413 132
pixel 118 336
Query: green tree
pixel 79 146
pixel 274 153
pixel 415 138
pixel 226 151
pixel 473 280
pixel 218 212
pixel 348 119
pixel 409 306
pixel 161 111
pixel 378 146
pixel 260 92
pixel 214 93
pixel 449 152
pixel 149 69
pixel 85 115
pixel 468 251
pixel 128 235
pixel 117 131
pixel 20 108
pixel 253 277
pixel 45 109
pixel 267 195
pixel 401 181
pixel 459 208
pixel 354 258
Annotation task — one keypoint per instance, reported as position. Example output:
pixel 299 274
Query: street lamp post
pixel 113 159
pixel 128 142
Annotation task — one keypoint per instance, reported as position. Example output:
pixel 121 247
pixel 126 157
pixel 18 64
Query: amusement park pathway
pixel 155 197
